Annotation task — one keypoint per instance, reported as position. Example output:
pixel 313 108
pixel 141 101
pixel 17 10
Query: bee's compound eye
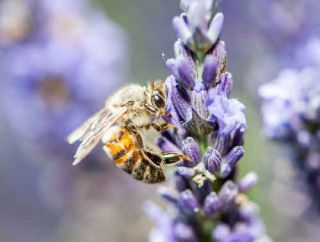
pixel 158 101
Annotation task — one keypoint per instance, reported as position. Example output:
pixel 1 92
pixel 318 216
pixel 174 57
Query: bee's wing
pixel 78 133
pixel 91 132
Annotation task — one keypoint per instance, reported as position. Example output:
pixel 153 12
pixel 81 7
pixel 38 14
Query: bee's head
pixel 157 93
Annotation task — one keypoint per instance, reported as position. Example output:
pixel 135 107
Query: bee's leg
pixel 172 158
pixel 162 127
pixel 138 138
pixel 150 108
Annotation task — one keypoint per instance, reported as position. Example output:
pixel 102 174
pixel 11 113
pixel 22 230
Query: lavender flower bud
pixel 185 233
pixel 215 27
pixel 186 73
pixel 183 71
pixel 172 67
pixel 188 202
pixel 228 113
pixel 226 84
pixel 198 99
pixel 212 160
pixel 177 101
pixel 212 204
pixel 185 172
pixel 197 16
pixel 195 28
pixel 185 4
pixel 249 211
pixel 180 51
pixel 239 134
pixel 182 29
pixel 228 193
pixel 313 162
pixel 221 232
pixel 225 170
pixel 248 182
pixel 210 71
pixel 180 182
pixel 222 143
pixel 190 148
pixel 234 156
pixel 220 53
pixel 242 236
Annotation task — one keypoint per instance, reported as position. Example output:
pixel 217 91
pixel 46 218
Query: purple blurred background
pixel 60 59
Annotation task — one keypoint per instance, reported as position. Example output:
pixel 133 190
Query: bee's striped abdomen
pixel 125 151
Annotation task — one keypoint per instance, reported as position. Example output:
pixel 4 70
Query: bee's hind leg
pixel 172 158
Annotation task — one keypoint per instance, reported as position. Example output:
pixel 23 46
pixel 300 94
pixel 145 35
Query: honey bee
pixel 123 126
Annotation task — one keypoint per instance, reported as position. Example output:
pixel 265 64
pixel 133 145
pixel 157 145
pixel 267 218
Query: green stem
pixel 203 145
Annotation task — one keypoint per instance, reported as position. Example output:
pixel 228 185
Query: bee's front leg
pixel 172 158
pixel 162 127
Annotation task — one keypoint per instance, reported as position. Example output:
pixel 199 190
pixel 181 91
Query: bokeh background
pixel 43 198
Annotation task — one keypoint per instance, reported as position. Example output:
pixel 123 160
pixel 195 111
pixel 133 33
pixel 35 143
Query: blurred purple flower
pixel 286 25
pixel 53 82
pixel 291 103
pixel 53 78
pixel 291 115
pixel 15 21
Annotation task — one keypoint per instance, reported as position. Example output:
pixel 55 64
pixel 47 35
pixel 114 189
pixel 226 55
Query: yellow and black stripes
pixel 128 155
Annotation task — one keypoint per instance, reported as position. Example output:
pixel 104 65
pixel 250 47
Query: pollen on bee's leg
pixel 126 140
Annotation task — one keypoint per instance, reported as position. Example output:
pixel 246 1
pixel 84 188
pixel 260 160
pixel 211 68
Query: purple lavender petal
pixel 197 14
pixel 172 67
pixel 210 71
pixel 212 204
pixel 182 29
pixel 234 156
pixel 175 100
pixel 228 112
pixel 190 148
pixel 228 193
pixel 212 159
pixel 185 233
pixel 186 172
pixel 226 84
pixel 186 72
pixel 181 183
pixel 215 27
pixel 225 170
pixel 198 100
pixel 221 232
pixel 248 181
pixel 188 203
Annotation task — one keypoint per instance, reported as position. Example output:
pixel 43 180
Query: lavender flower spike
pixel 291 114
pixel 206 202
pixel 196 27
